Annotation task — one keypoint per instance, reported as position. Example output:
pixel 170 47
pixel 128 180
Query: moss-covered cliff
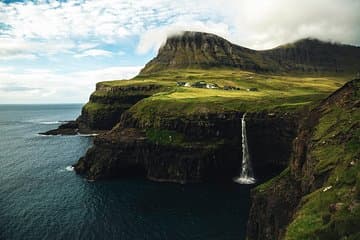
pixel 317 196
pixel 110 100
pixel 203 147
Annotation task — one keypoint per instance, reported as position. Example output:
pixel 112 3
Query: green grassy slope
pixel 275 93
pixel 333 211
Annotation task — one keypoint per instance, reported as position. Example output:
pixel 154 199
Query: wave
pixel 69 168
pixel 51 122
pixel 44 122
pixel 87 135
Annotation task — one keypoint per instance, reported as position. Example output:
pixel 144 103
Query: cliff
pixel 205 147
pixel 317 196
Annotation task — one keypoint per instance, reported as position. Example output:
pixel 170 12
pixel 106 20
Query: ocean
pixel 42 198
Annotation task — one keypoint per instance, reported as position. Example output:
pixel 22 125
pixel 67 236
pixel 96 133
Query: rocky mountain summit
pixel 204 50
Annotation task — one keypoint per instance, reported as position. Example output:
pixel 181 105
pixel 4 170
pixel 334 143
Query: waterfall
pixel 246 175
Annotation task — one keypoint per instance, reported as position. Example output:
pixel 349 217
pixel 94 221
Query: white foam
pixel 51 122
pixel 243 180
pixel 87 135
pixel 69 168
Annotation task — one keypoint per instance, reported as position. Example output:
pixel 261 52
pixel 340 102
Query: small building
pixel 200 84
pixel 212 86
pixel 231 88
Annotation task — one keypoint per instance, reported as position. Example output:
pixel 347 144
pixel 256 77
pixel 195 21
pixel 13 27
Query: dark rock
pixel 125 151
pixel 214 154
pixel 68 128
pixel 272 209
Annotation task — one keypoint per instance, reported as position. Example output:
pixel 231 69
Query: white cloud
pixel 262 24
pixel 18 56
pixel 42 85
pixel 265 24
pixel 86 45
pixel 94 53
pixel 154 38
pixel 254 23
pixel 48 30
pixel 11 49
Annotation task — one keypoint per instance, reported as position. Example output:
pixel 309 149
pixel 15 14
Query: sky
pixel 55 51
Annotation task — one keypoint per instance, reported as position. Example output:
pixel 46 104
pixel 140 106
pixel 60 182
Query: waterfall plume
pixel 246 175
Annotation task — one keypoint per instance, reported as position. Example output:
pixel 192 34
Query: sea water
pixel 41 197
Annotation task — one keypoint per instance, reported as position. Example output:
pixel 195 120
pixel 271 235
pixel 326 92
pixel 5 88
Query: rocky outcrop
pixel 210 147
pixel 323 172
pixel 69 128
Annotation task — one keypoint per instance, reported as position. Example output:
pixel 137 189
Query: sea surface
pixel 42 198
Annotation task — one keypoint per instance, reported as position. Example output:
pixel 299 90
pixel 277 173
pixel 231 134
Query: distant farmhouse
pixel 203 84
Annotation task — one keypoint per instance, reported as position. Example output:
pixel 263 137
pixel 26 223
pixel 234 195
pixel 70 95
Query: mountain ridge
pixel 205 50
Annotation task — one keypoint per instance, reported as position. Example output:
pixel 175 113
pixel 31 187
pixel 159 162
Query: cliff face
pixel 203 50
pixel 106 105
pixel 317 196
pixel 108 102
pixel 190 150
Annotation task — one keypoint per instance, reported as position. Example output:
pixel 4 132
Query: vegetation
pixel 264 186
pixel 329 212
pixel 275 93
pixel 333 211
pixel 164 137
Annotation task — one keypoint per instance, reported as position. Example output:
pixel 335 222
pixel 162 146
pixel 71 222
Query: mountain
pixel 204 50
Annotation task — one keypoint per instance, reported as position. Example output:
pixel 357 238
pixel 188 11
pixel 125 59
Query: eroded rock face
pixel 128 152
pixel 276 203
pixel 211 150
pixel 272 209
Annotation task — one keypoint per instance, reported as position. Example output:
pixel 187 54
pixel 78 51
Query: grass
pixel 264 186
pixel 169 137
pixel 167 100
pixel 336 151
pixel 275 92
pixel 164 137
